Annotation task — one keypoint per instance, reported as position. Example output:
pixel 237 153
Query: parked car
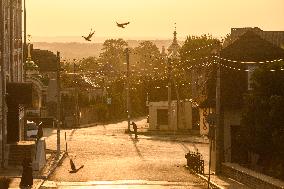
pixel 31 129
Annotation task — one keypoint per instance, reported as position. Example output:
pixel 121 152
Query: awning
pixel 19 93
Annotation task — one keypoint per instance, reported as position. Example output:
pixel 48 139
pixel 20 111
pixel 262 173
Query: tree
pixel 113 56
pixel 263 120
pixel 196 65
pixel 148 58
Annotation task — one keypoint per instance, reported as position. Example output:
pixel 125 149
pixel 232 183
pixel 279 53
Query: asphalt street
pixel 112 158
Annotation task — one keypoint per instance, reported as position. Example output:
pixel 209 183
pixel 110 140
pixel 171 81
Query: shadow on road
pixel 184 147
pixel 135 141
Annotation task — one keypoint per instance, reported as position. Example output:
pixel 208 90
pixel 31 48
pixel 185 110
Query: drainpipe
pixel 3 91
pixel 25 41
pixel 11 40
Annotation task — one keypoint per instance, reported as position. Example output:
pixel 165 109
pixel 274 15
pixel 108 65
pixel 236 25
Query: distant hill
pixel 82 50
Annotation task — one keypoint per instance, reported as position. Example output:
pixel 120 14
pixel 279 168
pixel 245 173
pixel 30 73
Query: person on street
pixel 40 131
pixel 135 129
pixel 27 175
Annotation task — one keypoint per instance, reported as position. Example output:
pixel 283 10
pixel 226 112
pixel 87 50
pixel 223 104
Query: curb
pixel 52 169
pixel 213 185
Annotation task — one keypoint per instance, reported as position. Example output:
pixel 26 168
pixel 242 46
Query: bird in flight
pixel 88 38
pixel 122 25
pixel 73 167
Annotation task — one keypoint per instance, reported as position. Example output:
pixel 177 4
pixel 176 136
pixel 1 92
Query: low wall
pixel 251 178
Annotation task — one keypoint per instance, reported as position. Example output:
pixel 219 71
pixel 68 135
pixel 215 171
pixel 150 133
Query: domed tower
pixel 30 67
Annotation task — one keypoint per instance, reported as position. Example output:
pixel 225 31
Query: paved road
pixel 110 155
pixel 131 184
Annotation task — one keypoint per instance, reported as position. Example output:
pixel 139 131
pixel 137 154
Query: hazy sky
pixel 151 18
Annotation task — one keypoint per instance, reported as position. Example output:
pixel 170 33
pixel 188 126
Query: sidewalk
pixel 220 182
pixel 15 173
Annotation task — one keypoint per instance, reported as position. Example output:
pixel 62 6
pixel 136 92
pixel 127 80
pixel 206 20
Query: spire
pixel 174 47
pixel 175 34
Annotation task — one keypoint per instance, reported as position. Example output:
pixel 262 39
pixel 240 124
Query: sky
pixel 150 19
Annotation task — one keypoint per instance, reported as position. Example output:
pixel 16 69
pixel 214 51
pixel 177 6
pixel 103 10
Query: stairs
pixel 17 152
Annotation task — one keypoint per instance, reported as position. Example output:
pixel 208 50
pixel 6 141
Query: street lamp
pixel 169 67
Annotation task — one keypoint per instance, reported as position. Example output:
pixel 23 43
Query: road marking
pixel 122 183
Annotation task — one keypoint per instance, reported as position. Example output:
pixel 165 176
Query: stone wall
pixel 250 178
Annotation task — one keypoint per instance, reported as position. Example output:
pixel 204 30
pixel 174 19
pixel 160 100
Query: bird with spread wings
pixel 88 38
pixel 122 25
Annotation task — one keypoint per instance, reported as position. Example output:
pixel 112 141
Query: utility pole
pixel 127 90
pixel 3 86
pixel 169 93
pixel 58 122
pixel 219 139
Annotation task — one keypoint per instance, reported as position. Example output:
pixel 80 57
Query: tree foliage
pixel 263 118
pixel 195 67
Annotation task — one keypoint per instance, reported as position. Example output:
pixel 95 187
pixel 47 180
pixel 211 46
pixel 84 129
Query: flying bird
pixel 88 38
pixel 73 167
pixel 122 25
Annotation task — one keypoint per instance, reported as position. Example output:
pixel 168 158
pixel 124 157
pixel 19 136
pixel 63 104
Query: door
pixel 13 131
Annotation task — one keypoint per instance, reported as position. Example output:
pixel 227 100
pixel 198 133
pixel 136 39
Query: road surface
pixel 113 159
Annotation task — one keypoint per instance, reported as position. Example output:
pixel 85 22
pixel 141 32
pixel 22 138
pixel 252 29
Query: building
pixel 42 72
pixel 14 93
pixel 171 115
pixel 181 116
pixel 250 47
pixel 274 37
pixel 237 62
pixel 37 110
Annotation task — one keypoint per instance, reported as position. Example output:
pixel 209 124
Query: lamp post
pixel 169 67
pixel 127 90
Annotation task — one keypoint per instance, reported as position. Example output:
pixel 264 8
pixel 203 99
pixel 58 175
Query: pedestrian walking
pixel 135 129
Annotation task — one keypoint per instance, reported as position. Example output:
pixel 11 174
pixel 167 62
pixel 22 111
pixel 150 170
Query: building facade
pixel 11 77
pixel 181 117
